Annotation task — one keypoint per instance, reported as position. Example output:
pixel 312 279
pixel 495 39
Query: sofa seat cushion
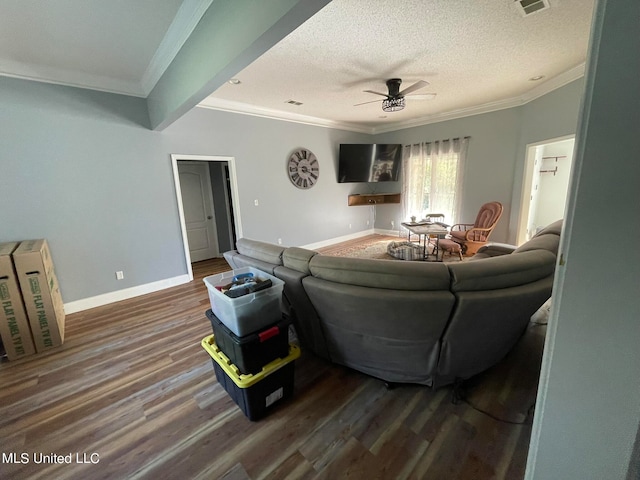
pixel 265 252
pixel 387 274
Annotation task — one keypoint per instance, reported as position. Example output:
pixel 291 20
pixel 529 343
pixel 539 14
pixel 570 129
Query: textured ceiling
pixel 476 55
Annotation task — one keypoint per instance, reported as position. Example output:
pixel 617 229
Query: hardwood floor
pixel 133 390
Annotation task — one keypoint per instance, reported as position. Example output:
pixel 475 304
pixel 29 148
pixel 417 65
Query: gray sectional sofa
pixel 411 322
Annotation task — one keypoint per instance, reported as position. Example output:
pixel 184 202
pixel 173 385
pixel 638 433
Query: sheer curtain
pixel 432 179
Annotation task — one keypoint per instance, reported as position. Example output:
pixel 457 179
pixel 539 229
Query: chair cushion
pixel 459 235
pixel 474 236
pixel 449 245
pixel 488 215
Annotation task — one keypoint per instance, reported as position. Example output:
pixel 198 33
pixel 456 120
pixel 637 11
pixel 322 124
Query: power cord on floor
pixel 459 395
pixel 502 420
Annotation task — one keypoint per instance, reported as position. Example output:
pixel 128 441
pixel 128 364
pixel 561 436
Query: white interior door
pixel 197 202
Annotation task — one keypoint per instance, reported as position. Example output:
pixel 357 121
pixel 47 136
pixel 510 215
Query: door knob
pixel 209 217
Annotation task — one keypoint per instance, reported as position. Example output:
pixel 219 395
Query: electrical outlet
pixel 349 226
pixel 279 241
pixel 256 202
pixel 393 224
pixel 119 275
pixel 367 222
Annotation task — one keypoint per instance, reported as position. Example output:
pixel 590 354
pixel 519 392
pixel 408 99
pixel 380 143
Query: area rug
pixel 371 246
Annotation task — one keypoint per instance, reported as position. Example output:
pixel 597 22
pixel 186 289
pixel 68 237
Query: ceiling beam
pixel 230 35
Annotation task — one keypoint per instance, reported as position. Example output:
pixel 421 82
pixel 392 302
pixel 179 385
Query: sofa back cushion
pixel 300 310
pixel 265 252
pixel 495 298
pixel 546 239
pixel 486 325
pixel 298 259
pixel 390 334
pixel 501 272
pixel 554 228
pixel 384 274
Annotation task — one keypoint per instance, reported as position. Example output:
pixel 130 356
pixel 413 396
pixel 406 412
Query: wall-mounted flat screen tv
pixel 361 162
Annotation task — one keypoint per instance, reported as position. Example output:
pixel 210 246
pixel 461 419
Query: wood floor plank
pixel 133 385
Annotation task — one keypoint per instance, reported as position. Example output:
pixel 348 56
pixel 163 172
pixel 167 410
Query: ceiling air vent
pixel 527 7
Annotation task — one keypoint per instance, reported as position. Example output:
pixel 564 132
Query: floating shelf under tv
pixel 373 199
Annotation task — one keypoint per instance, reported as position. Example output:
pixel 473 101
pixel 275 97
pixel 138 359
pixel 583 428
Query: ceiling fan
pixel 394 100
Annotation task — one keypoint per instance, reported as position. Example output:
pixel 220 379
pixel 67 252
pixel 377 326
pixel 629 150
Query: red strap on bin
pixel 267 334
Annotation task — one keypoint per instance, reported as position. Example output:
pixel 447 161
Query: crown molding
pixel 58 76
pixel 451 115
pixel 547 87
pixel 186 19
pixel 246 109
pixel 542 89
pixel 554 83
pixel 182 26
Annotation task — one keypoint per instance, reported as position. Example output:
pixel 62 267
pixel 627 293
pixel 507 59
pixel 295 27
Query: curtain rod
pixel 456 138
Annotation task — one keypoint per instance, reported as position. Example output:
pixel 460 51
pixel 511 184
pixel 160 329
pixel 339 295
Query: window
pixel 432 178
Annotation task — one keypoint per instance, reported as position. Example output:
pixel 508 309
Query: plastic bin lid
pixel 246 380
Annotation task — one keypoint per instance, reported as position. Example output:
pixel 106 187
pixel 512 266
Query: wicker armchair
pixel 471 236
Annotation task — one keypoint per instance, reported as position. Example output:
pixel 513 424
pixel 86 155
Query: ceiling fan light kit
pixel 394 101
pixel 393 104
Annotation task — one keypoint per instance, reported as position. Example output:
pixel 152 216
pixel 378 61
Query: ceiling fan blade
pixel 364 103
pixel 377 93
pixel 416 86
pixel 425 96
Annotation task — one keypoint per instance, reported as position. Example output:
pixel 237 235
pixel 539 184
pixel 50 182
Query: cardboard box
pixel 14 325
pixel 41 293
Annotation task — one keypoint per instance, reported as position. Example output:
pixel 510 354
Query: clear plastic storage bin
pixel 248 313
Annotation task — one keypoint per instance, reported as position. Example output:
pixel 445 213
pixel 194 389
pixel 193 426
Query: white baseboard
pixel 124 294
pixel 352 236
pixel 333 241
pixel 379 231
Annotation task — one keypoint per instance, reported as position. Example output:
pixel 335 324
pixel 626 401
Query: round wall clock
pixel 303 168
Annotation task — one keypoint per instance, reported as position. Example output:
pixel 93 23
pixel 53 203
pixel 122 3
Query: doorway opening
pixel 545 185
pixel 207 198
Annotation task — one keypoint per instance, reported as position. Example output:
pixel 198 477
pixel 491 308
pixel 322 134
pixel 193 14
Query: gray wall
pixel 588 406
pixel 497 152
pixel 551 116
pixel 80 168
pixel 261 148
